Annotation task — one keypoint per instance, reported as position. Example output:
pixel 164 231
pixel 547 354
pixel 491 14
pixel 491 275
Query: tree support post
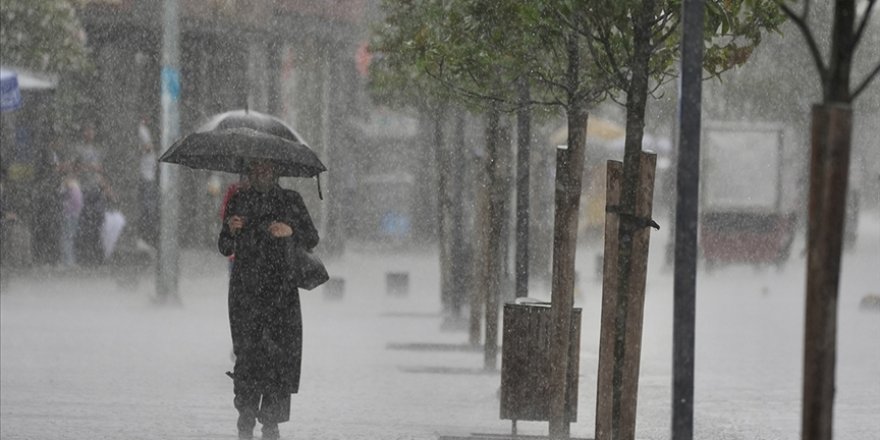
pixel 620 339
pixel 829 171
pixel 613 178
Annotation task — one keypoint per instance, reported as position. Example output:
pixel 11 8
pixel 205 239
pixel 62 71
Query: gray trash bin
pixel 525 363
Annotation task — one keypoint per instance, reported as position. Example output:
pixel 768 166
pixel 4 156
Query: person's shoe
pixel 270 432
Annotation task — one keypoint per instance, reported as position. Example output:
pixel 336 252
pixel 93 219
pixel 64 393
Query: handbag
pixel 307 271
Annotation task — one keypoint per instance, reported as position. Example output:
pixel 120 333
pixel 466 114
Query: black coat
pixel 264 308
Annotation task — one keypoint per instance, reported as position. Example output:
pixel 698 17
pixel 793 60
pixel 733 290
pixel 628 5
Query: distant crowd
pixel 72 215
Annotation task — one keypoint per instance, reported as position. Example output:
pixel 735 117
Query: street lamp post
pixel 167 271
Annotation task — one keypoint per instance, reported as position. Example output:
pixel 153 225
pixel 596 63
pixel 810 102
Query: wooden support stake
pixel 613 177
pixel 829 171
pixel 626 367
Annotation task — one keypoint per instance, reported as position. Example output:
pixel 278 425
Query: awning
pixel 13 81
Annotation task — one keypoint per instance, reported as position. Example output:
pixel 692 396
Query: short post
pixel 397 283
pixel 334 289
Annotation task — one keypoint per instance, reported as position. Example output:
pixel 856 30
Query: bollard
pixel 334 289
pixel 397 283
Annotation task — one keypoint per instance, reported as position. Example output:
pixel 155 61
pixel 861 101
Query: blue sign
pixel 170 83
pixel 10 95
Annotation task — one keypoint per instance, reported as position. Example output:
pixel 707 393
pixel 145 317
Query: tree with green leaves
pixel 480 51
pixel 571 53
pixel 404 44
pixel 829 173
pixel 42 35
pixel 636 44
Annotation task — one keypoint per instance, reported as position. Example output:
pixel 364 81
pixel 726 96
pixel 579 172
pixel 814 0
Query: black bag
pixel 307 271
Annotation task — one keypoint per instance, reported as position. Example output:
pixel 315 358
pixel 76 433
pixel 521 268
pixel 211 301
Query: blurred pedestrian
pixel 148 189
pixel 265 319
pixel 89 251
pixel 7 216
pixel 114 220
pixel 45 218
pixel 71 208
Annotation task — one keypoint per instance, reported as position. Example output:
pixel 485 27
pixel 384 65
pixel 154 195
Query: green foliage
pixel 473 50
pixel 477 51
pixel 43 35
pixel 402 47
pixel 732 29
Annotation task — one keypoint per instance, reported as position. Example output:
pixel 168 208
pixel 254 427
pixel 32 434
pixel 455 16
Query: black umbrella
pixel 228 141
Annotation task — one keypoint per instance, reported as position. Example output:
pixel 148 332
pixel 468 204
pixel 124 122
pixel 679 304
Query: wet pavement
pixel 90 356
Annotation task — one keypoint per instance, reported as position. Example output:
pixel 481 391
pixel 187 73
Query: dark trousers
pixel 267 408
pixel 89 250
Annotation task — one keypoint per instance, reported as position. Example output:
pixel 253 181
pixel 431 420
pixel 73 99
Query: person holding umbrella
pixel 265 227
pixel 264 307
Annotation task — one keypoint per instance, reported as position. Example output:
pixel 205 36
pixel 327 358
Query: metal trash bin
pixel 525 363
pixel 397 283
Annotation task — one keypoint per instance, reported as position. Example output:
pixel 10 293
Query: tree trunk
pixel 569 176
pixel 840 62
pixel 479 284
pixel 496 209
pixel 637 95
pixel 334 136
pixel 829 171
pixel 523 133
pixel 425 216
pixel 460 257
pixel 444 203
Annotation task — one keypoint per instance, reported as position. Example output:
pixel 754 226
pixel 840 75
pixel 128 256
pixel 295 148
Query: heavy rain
pixel 494 190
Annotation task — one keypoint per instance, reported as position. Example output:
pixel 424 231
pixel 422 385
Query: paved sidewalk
pixel 85 357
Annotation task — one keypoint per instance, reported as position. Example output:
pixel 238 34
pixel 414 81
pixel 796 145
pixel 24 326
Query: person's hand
pixel 235 223
pixel 278 229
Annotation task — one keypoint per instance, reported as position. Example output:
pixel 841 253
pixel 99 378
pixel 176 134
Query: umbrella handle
pixel 318 179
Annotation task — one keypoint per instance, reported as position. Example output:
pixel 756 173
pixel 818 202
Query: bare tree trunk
pixel 569 176
pixel 444 203
pixel 523 133
pixel 479 284
pixel 459 256
pixel 496 209
pixel 842 45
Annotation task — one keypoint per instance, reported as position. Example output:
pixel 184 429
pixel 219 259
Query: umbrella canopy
pixel 228 141
pixel 10 95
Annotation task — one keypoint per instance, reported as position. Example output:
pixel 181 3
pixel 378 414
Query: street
pixel 83 358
